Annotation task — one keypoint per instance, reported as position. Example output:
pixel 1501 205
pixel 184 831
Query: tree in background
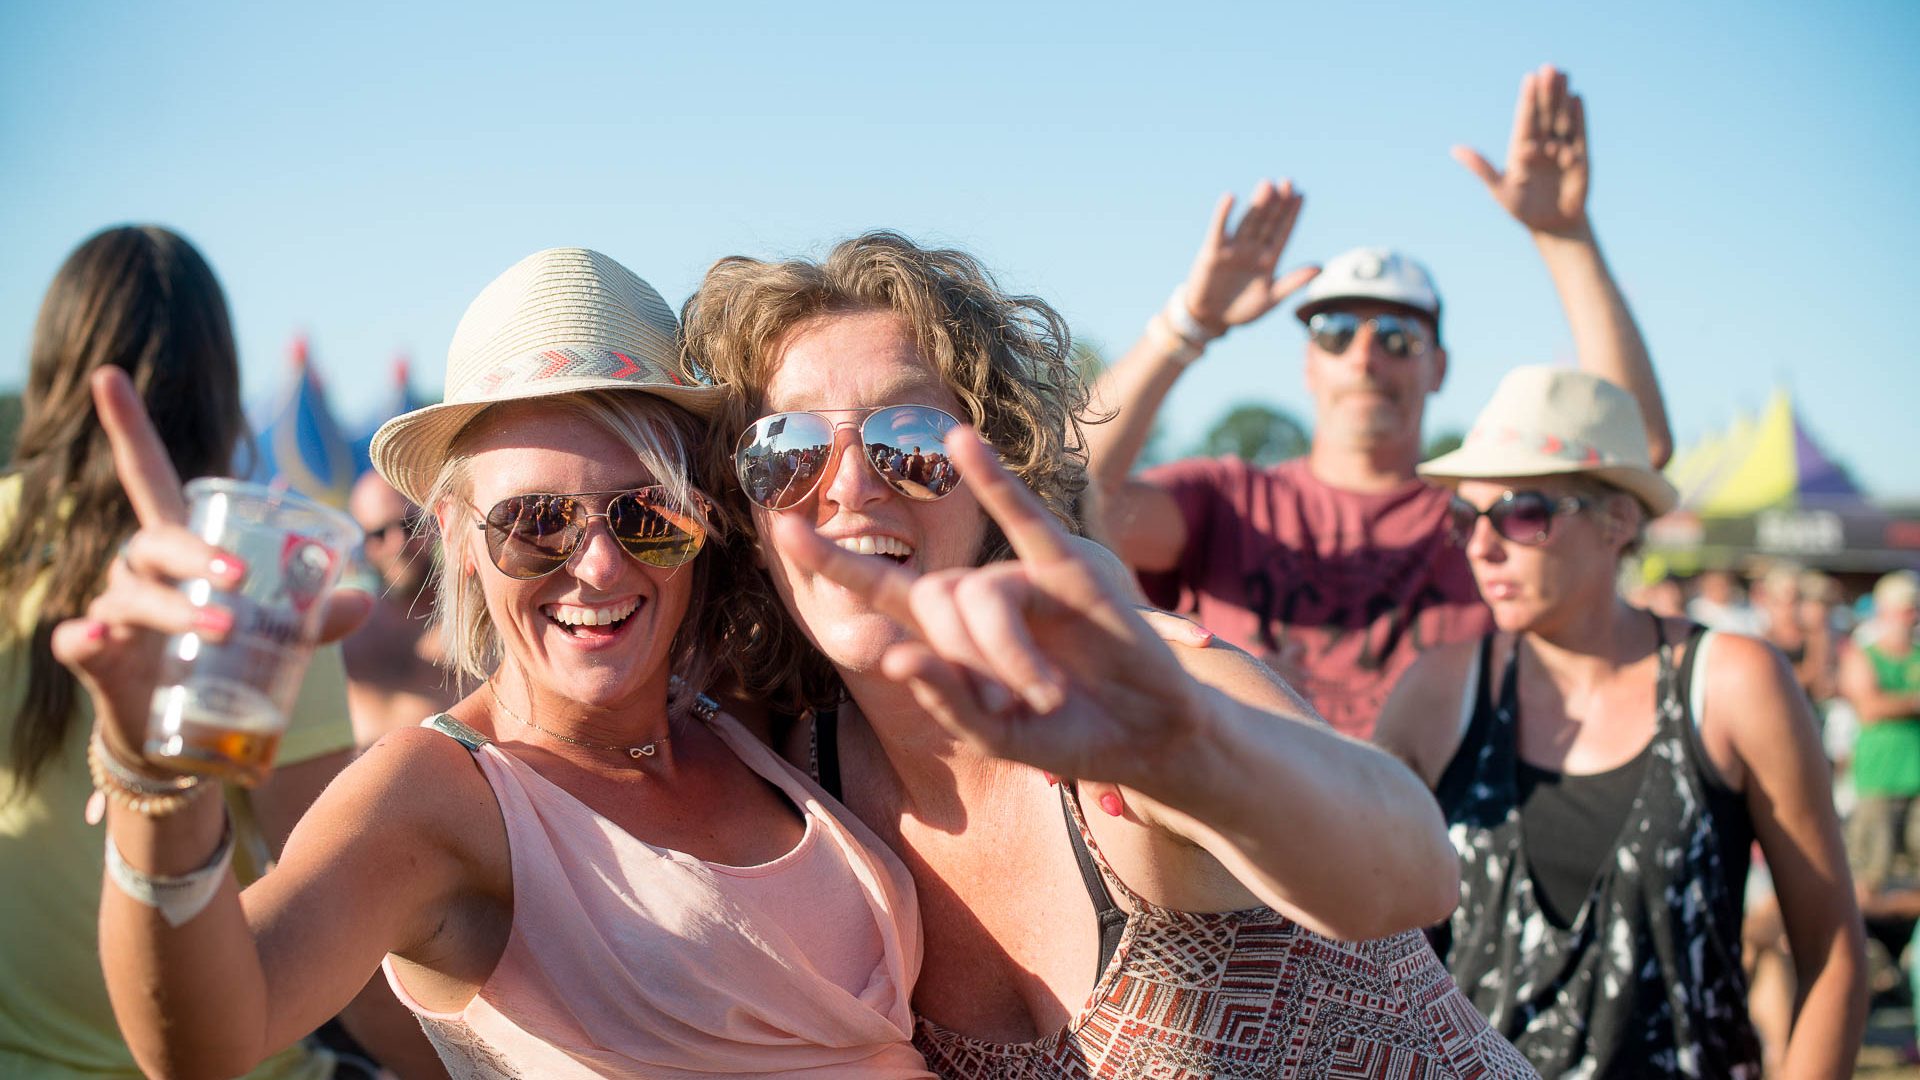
pixel 1444 443
pixel 9 424
pixel 1257 434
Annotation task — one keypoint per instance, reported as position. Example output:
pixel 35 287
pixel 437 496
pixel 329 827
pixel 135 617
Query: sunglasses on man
pixel 780 459
pixel 1400 336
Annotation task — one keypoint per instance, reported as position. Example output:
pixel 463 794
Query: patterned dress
pixel 1242 995
pixel 1646 981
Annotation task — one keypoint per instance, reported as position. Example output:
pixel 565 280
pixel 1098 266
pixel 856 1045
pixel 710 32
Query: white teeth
pixel 875 545
pixel 591 616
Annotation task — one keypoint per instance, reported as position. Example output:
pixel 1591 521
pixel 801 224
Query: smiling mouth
pixel 884 546
pixel 576 620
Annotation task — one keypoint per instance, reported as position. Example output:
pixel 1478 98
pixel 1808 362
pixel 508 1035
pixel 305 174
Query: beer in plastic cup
pixel 222 706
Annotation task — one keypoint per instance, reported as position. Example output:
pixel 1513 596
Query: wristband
pixel 1184 352
pixel 1181 321
pixel 178 898
pixel 148 795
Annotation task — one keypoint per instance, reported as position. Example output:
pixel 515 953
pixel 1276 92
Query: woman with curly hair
pixel 1243 901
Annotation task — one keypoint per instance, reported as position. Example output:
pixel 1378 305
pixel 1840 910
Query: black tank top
pixel 1642 976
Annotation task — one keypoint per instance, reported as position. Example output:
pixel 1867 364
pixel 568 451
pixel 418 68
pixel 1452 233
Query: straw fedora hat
pixel 1550 421
pixel 557 322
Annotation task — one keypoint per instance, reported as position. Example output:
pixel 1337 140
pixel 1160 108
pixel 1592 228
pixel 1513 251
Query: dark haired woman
pixel 141 299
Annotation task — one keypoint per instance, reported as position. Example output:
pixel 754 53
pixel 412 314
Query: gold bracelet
pixel 121 784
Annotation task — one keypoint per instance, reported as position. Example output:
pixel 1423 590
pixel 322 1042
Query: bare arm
pixel 1044 661
pixel 1545 187
pixel 1860 685
pixel 1756 702
pixel 1232 283
pixel 1269 790
pixel 239 978
pixel 1420 723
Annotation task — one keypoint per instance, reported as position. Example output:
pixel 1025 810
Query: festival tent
pixel 401 398
pixel 1765 489
pixel 1768 463
pixel 298 442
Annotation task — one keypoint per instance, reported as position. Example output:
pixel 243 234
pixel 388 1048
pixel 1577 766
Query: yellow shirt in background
pixel 55 1020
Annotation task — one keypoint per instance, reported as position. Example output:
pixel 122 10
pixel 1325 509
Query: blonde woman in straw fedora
pixel 1604 772
pixel 582 868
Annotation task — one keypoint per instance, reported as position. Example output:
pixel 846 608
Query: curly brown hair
pixel 1008 359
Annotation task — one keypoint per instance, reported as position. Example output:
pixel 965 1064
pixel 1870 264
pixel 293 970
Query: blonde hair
pixel 665 440
pixel 1008 359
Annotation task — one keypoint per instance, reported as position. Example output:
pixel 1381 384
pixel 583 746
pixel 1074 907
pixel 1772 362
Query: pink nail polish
pixel 96 631
pixel 1052 780
pixel 215 621
pixel 226 569
pixel 1112 805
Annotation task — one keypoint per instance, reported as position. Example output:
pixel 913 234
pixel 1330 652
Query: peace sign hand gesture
pixel 1043 660
pixel 1232 281
pixel 115 649
pixel 1545 183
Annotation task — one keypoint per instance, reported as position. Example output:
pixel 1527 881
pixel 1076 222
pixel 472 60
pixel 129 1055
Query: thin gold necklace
pixel 644 750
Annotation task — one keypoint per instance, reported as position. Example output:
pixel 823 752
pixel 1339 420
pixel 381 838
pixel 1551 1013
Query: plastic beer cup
pixel 221 707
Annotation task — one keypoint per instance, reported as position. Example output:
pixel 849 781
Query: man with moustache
pixel 1336 568
pixel 393 675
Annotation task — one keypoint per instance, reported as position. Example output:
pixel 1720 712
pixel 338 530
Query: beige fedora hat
pixel 1551 421
pixel 557 322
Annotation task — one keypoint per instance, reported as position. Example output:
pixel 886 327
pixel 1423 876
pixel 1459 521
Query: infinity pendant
pixel 638 752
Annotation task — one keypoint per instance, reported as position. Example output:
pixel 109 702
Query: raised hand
pixel 1545 183
pixel 1232 281
pixel 115 649
pixel 1043 660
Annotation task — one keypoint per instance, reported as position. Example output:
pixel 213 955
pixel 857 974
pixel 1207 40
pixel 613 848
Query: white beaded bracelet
pixel 178 898
pixel 1181 321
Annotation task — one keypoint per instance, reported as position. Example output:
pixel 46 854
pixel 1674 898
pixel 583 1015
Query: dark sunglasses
pixel 530 536
pixel 1524 517
pixel 1401 336
pixel 406 526
pixel 781 458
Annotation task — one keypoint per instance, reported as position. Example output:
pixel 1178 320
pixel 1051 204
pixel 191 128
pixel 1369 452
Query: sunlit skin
pixel 581 675
pixel 850 362
pixel 1365 397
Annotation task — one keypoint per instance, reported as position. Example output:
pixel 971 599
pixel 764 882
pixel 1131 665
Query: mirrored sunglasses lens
pixel 1394 336
pixel 531 535
pixel 781 457
pixel 653 533
pixel 1525 518
pixel 907 445
pixel 1333 331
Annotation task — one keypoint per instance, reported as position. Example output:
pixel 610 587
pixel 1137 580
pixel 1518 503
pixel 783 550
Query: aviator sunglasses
pixel 781 458
pixel 1400 336
pixel 1524 517
pixel 531 536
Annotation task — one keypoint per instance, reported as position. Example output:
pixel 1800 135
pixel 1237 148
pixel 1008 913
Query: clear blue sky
pixel 361 170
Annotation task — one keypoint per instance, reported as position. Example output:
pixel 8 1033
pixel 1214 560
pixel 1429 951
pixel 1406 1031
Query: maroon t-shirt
pixel 1338 590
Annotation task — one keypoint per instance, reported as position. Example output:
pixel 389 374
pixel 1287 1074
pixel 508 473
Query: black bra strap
pixel 1113 921
pixel 826 749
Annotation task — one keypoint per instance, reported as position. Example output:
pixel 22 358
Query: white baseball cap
pixel 1371 273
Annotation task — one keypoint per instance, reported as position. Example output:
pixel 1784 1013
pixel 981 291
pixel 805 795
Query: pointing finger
pixel 884 586
pixel 141 459
pixel 1031 529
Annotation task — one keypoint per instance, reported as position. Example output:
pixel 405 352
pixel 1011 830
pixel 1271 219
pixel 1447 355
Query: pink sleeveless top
pixel 626 959
pixel 1246 995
